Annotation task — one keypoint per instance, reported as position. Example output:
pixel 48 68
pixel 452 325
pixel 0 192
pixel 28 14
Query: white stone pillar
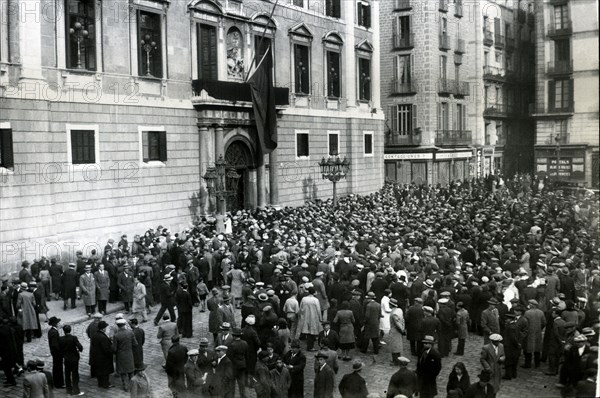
pixel 30 39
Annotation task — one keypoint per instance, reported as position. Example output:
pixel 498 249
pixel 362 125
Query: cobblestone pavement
pixel 377 372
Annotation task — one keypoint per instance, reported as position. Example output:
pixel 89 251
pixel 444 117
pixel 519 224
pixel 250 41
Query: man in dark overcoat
pixel 352 384
pixel 126 284
pixel 428 368
pixel 403 382
pixel 414 318
pixel 167 300
pixel 101 355
pixel 175 367
pixel 70 281
pixel 238 354
pixel 224 373
pixel 57 360
pixel 295 362
pixel 324 379
pixel 371 327
pixel 70 348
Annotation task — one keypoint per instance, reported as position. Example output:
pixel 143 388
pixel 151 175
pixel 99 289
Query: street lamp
pixel 221 182
pixel 80 34
pixel 334 169
pixel 149 46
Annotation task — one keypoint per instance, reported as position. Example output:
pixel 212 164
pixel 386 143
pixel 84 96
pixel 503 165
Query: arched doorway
pixel 239 156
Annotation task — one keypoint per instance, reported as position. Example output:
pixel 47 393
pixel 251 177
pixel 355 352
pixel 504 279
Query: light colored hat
pixel 97 315
pixel 443 301
pixel 403 360
pixel 193 352
pixel 428 309
pixel 580 338
pixel 121 321
pixel 495 337
pixel 428 339
pixel 221 348
pixel 119 316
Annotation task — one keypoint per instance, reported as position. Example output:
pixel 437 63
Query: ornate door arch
pixel 239 156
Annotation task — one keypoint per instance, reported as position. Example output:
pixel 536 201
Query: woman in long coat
pixel 56 271
pixel 237 283
pixel 397 330
pixel 139 299
pixel 345 319
pixel 386 310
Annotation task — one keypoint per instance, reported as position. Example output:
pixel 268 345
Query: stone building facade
pixel 112 111
pixel 446 71
pixel 566 109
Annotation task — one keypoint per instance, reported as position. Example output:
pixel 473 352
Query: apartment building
pixel 456 103
pixel 566 106
pixel 113 110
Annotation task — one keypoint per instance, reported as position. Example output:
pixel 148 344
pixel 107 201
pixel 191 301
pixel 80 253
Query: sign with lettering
pixel 408 156
pixel 453 155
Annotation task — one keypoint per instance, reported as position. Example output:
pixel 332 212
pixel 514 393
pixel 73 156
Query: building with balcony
pixel 425 91
pixel 113 110
pixel 504 130
pixel 566 106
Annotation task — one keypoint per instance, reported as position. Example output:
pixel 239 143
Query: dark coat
pixel 124 343
pixel 70 281
pixel 176 360
pixel 476 391
pixel 372 315
pixel 125 283
pixel 70 347
pixel 414 319
pixel 353 385
pixel 237 353
pixel 455 384
pixel 430 326
pixel 250 336
pixel 428 367
pixel 224 373
pixel 8 348
pixel 324 383
pixel 333 339
pixel 101 354
pixel 298 363
pixel 138 351
pixel 53 342
pixel 403 382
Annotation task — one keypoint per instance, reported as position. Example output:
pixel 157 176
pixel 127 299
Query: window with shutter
pixel 302 145
pixel 149 44
pixel 333 139
pixel 364 79
pixel 207 51
pixel 414 127
pixel 368 143
pixel 154 146
pixel 6 149
pixel 363 14
pixel 302 69
pixel 332 8
pixel 333 74
pixel 83 150
pixel 394 117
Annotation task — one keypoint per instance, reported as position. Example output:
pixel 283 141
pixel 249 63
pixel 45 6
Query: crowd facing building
pixel 513 269
pixel 113 111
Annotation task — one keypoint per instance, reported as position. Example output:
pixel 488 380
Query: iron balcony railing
pixel 397 138
pixel 444 41
pixel 400 87
pixel 447 137
pixel 460 46
pixel 563 29
pixel 498 40
pixel 401 41
pixel 402 5
pixel 493 73
pixel 560 67
pixel 488 37
pixel 496 109
pixel 462 88
pixel 446 86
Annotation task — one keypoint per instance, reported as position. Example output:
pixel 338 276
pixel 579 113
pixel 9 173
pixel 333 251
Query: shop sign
pixel 408 156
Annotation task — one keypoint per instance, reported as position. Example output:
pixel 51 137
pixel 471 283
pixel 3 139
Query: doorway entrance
pixel 238 156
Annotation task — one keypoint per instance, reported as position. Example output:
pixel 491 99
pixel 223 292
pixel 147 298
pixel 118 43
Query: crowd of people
pixel 510 260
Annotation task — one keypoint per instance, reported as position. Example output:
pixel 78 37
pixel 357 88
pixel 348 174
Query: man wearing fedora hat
pixel 536 322
pixel 324 379
pixel 490 320
pixel 238 354
pixel 224 373
pixel 27 312
pixel 167 299
pixel 428 368
pixel 482 388
pixel 352 384
pixel 57 359
pixel 70 281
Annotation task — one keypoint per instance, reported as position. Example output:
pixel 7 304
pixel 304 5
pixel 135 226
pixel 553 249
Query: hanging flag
pixel 263 103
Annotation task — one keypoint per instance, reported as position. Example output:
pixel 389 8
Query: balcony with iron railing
pixel 461 89
pixel 402 5
pixel 403 41
pixel 398 87
pixel 446 86
pixel 560 67
pixel 494 73
pixel 564 29
pixel 541 110
pixel 453 137
pixel 394 138
pixel 510 42
pixel 444 42
pixel 521 16
pixel 498 40
pixel 488 37
pixel 530 19
pixel 458 9
pixel 206 91
pixel 460 46
pixel 495 109
pixel 443 5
